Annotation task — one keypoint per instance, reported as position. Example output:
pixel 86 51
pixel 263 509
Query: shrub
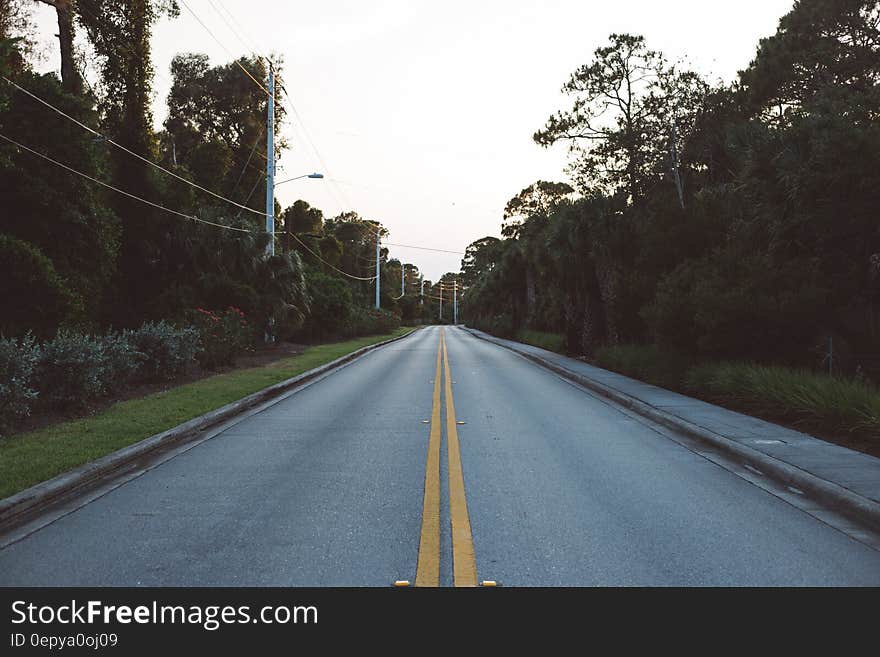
pixel 330 307
pixel 370 321
pixel 662 367
pixel 169 351
pixel 796 394
pixel 18 360
pixel 223 336
pixel 549 341
pixel 122 359
pixel 72 369
pixel 34 296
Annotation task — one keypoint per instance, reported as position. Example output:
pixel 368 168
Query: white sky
pixel 423 111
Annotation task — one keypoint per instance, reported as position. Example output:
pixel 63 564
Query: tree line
pixel 76 254
pixel 727 221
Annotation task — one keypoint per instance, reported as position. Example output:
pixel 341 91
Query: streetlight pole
pixel 270 165
pixel 378 277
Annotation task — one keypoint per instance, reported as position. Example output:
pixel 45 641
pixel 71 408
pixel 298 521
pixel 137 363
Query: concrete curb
pixel 826 493
pixel 19 507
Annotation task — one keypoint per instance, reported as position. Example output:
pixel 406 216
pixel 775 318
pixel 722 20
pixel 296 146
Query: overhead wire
pixel 230 24
pixel 228 52
pixel 335 268
pixel 130 152
pixel 122 191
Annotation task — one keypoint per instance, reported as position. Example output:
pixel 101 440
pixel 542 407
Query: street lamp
pixel 305 175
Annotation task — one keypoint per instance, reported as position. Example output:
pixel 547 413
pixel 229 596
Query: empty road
pixel 440 459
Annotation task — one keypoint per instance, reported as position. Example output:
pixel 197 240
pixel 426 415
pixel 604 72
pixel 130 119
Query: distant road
pixel 547 486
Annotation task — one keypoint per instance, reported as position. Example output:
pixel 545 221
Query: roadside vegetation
pixel 102 291
pixel 29 458
pixel 705 223
pixel 842 408
pixel 542 339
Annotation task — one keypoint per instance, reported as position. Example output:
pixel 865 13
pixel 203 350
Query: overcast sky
pixel 423 111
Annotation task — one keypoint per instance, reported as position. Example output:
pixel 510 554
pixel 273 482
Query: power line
pixel 244 169
pixel 130 152
pixel 230 24
pixel 303 244
pixel 121 191
pixel 228 52
pixel 424 248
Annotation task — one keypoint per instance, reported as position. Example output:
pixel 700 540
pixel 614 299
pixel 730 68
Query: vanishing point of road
pixel 445 460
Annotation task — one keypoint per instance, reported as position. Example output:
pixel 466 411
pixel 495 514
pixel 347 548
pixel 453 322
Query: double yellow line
pixel 464 565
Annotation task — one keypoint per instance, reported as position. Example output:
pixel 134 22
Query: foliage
pixel 29 458
pixel 18 361
pixel 662 367
pixel 35 298
pixel 73 369
pixel 798 395
pixel 330 303
pixel 728 222
pixel 370 321
pixel 223 336
pixel 542 339
pixel 169 350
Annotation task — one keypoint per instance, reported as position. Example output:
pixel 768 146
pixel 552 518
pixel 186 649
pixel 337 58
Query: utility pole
pixel 422 291
pixel 441 301
pixel 455 302
pixel 378 277
pixel 402 280
pixel 270 165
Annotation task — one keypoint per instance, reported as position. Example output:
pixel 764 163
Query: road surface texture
pixel 440 459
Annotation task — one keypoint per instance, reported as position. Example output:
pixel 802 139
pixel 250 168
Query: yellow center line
pixel 428 568
pixel 464 563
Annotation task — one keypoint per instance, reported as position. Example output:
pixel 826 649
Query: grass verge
pixel 549 341
pixel 30 458
pixel 835 408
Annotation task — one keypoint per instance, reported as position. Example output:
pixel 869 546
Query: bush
pixel 796 394
pixel 550 341
pixel 330 307
pixel 122 359
pixel 34 296
pixel 18 360
pixel 370 321
pixel 169 351
pixel 662 367
pixel 500 325
pixel 223 336
pixel 72 369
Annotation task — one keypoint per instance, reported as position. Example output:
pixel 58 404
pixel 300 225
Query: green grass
pixel 549 341
pixel 807 397
pixel 646 362
pixel 29 458
pixel 815 401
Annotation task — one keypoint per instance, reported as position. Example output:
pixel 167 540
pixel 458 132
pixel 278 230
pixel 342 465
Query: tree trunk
pixel 71 82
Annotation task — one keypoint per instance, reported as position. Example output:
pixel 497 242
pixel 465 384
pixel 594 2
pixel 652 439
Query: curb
pixel 16 508
pixel 824 492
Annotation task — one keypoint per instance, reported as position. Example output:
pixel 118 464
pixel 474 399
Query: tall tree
pixel 627 101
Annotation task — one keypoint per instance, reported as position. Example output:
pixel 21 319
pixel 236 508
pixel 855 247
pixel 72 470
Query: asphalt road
pixel 547 486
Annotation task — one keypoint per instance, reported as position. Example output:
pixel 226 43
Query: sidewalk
pixel 856 472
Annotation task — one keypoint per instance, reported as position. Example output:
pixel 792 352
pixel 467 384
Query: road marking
pixel 464 564
pixel 428 568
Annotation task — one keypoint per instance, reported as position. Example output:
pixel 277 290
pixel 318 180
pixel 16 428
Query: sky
pixel 419 113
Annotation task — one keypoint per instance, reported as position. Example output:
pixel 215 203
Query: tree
pixel 627 101
pixel 70 77
pixel 538 199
